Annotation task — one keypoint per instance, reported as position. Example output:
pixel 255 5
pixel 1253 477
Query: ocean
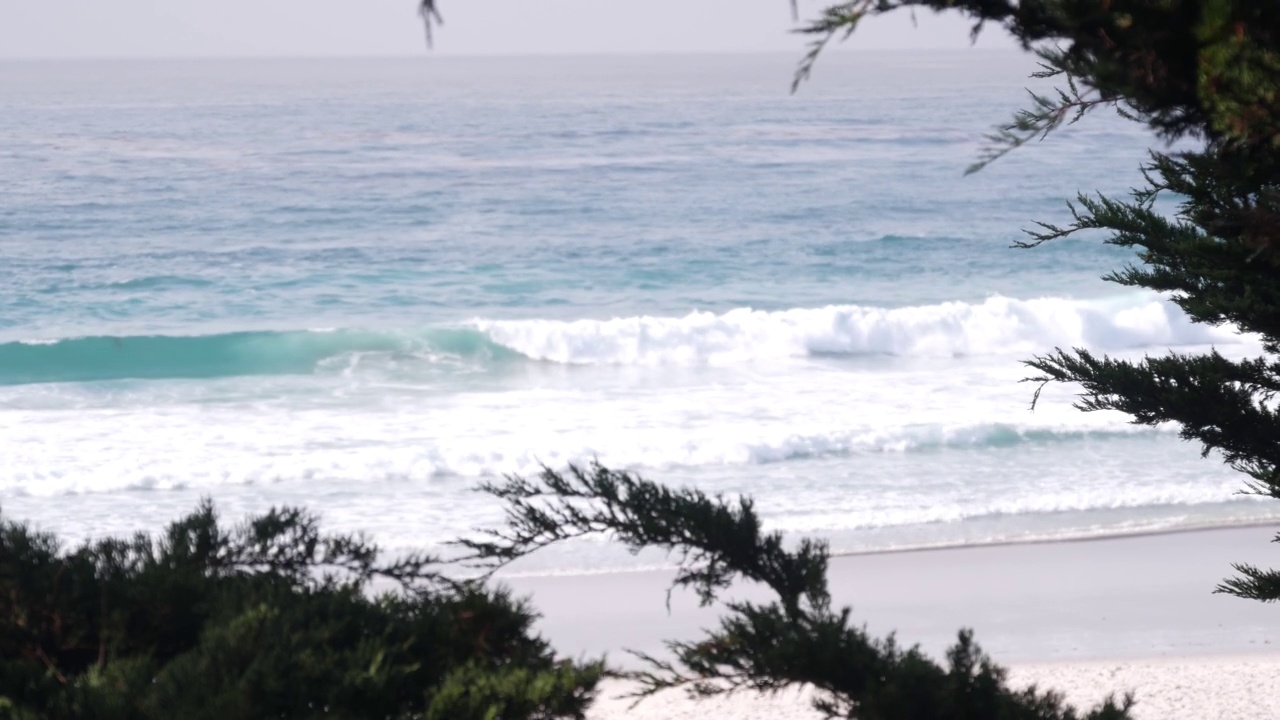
pixel 362 286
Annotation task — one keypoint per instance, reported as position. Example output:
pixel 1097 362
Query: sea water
pixel 363 286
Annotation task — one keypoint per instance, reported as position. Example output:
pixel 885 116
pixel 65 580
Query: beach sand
pixel 1201 688
pixel 1088 618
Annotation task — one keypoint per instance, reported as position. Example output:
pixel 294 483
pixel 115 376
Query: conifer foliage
pixel 1207 73
pixel 800 638
pixel 270 619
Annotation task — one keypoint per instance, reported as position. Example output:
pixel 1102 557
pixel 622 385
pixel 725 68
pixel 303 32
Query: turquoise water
pixel 361 285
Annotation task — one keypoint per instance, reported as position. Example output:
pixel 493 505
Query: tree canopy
pixel 270 618
pixel 1201 70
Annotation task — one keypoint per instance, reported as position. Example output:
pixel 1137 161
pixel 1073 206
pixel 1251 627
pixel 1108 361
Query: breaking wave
pixel 101 465
pixel 156 357
pixel 998 325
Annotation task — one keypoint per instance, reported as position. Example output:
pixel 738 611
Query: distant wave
pixel 922 439
pixel 220 355
pixel 240 459
pixel 997 326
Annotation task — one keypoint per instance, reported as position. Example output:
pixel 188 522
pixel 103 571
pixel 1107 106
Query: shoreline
pixel 1108 535
pixel 1145 597
pixel 1273 525
pixel 1109 615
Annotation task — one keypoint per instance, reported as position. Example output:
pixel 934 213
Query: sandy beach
pixel 1192 688
pixel 1088 618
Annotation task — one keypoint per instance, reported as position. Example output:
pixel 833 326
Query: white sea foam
pixel 931 439
pixel 409 474
pixel 220 449
pixel 997 326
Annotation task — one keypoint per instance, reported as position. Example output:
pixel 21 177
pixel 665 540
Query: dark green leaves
pixel 270 618
pixel 430 14
pixel 715 540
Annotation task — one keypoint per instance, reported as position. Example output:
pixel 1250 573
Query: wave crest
pixel 155 357
pixel 997 326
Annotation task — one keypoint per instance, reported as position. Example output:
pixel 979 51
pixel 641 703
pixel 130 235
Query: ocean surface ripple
pixel 361 285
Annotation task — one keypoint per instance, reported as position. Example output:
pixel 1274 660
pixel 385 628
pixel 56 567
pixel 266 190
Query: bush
pixel 272 618
pixel 275 619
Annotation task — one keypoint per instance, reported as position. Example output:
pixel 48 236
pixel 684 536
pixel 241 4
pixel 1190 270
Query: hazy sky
pixel 149 28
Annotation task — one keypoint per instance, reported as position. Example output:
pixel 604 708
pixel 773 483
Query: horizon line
pixel 427 54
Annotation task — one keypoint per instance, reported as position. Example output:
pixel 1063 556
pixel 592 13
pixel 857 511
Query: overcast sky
pixel 151 28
